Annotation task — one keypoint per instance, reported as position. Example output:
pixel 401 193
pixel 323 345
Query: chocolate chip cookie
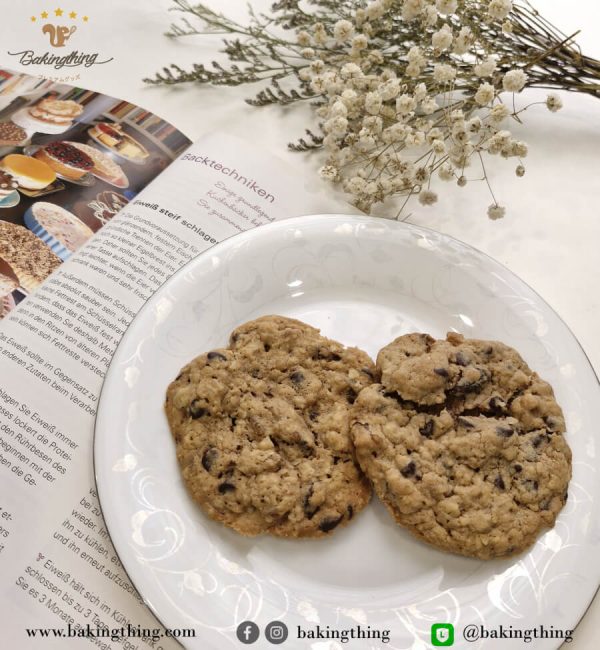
pixel 262 430
pixel 463 443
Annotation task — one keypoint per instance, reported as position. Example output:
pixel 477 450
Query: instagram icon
pixel 276 632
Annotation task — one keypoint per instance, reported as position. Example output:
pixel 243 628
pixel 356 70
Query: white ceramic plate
pixel 363 282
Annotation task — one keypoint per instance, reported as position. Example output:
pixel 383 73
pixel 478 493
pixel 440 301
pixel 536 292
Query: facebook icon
pixel 247 632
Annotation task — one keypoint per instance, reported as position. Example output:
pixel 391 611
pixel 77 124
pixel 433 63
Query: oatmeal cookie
pixel 262 430
pixel 463 443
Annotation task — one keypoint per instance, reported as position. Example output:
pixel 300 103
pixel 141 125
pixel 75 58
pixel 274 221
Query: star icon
pixel 33 19
pixel 73 15
pixel 44 14
pixel 58 12
pixel 85 19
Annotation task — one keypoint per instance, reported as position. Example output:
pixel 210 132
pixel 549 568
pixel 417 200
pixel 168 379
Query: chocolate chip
pixel 499 483
pixel 226 487
pixel 305 449
pixel 309 510
pixel 209 457
pixel 409 470
pixel 330 523
pixel 505 432
pixel 462 360
pixel 467 424
pixel 518 468
pixel 195 410
pixel 313 415
pixel 308 495
pixel 537 441
pixel 297 377
pixel 393 395
pixel 350 512
pixel 552 423
pixel 234 337
pixel 368 372
pixel 212 356
pixel 442 372
pixel 267 347
pixel 326 355
pixel 233 421
pixel 532 486
pixel 497 406
pixel 471 385
pixel 179 376
pixel 545 505
pixel 350 395
pixel 427 429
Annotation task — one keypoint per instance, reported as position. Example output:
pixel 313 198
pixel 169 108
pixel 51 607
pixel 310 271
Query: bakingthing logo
pixel 58 27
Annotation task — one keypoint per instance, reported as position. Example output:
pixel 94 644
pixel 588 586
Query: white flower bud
pixel 405 104
pixel 442 39
pixel 303 38
pixel 514 81
pixel 328 172
pixel 485 68
pixel 427 197
pixel 485 94
pixel 496 211
pixel 554 102
pixel 443 73
pixel 445 172
pixel 360 42
pixel 499 9
pixel 343 31
pixel 373 103
pixel 446 6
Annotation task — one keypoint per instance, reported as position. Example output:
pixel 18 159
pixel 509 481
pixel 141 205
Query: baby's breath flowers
pixel 408 93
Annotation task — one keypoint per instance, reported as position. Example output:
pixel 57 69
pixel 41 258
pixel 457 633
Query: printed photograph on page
pixel 70 159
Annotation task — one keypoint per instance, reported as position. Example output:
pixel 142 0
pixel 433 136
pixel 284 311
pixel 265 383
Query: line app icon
pixel 442 634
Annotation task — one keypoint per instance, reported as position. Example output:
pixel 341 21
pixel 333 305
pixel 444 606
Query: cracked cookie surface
pixel 262 430
pixel 463 443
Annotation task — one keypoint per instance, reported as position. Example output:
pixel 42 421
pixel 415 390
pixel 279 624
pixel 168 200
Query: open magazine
pixel 82 247
pixel 70 159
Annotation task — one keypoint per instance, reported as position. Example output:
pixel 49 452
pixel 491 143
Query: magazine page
pixel 58 567
pixel 70 159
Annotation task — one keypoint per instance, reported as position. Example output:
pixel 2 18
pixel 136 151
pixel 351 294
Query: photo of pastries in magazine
pixel 70 159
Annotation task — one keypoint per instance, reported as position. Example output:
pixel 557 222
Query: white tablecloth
pixel 551 232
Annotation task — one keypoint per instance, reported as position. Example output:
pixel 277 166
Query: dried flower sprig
pixel 405 90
